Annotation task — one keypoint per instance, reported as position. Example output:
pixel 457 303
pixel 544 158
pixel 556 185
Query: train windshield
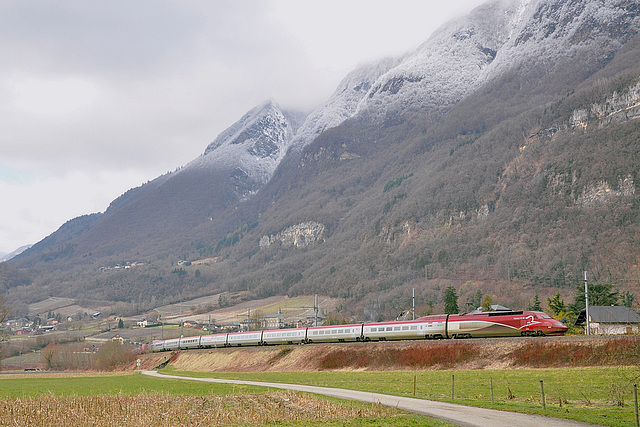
pixel 544 316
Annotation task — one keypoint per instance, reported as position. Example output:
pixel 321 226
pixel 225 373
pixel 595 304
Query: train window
pixel 405 328
pixel 374 329
pixel 414 328
pixel 389 328
pixel 397 328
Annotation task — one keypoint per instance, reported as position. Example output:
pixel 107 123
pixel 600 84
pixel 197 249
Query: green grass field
pixel 594 395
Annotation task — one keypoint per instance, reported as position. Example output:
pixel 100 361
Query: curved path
pixel 457 414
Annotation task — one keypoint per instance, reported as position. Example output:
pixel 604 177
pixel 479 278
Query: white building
pixel 610 320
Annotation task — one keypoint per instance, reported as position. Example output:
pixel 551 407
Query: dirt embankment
pixel 449 354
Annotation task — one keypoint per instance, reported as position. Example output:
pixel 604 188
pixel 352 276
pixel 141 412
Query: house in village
pixel 273 321
pixel 610 320
pixel 189 323
pixel 120 340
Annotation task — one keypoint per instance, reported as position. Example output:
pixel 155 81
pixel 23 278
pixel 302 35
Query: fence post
pixel 452 378
pixel 635 403
pixel 542 399
pixel 414 385
pixel 491 388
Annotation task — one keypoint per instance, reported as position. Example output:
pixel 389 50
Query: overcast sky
pixel 101 96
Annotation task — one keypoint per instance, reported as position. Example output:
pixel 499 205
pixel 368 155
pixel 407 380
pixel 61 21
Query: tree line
pixel 600 294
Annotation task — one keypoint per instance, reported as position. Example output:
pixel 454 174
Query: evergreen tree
pixel 535 304
pixel 120 323
pixel 451 301
pixel 477 299
pixel 487 302
pixel 556 304
pixel 599 294
pixel 626 298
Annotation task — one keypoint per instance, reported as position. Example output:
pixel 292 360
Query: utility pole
pixel 315 309
pixel 586 302
pixel 413 305
pixel 181 319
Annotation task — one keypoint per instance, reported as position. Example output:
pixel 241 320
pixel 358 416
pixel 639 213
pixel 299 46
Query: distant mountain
pixel 501 156
pixel 7 257
pixel 234 166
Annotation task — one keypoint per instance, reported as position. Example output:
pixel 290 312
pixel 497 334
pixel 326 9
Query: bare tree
pixel 4 310
pixel 4 313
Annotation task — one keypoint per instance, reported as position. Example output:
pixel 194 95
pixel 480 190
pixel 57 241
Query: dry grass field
pixel 168 410
pixel 129 399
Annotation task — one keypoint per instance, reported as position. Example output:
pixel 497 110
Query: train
pixel 441 326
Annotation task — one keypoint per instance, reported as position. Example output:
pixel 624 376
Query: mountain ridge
pixel 412 182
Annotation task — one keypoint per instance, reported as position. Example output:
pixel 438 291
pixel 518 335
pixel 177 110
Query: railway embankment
pixel 495 353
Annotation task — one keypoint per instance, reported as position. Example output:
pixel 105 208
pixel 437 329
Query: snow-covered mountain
pixel 467 53
pixel 496 37
pixel 250 150
pixel 343 104
pixel 459 58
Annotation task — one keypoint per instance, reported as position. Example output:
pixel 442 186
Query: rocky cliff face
pixel 299 236
pixel 620 107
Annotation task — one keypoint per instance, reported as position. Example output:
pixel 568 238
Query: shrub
pixel 113 355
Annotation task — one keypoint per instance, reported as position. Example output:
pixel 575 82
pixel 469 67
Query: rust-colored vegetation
pixel 443 356
pixel 612 351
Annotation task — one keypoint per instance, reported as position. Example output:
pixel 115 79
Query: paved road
pixel 457 414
